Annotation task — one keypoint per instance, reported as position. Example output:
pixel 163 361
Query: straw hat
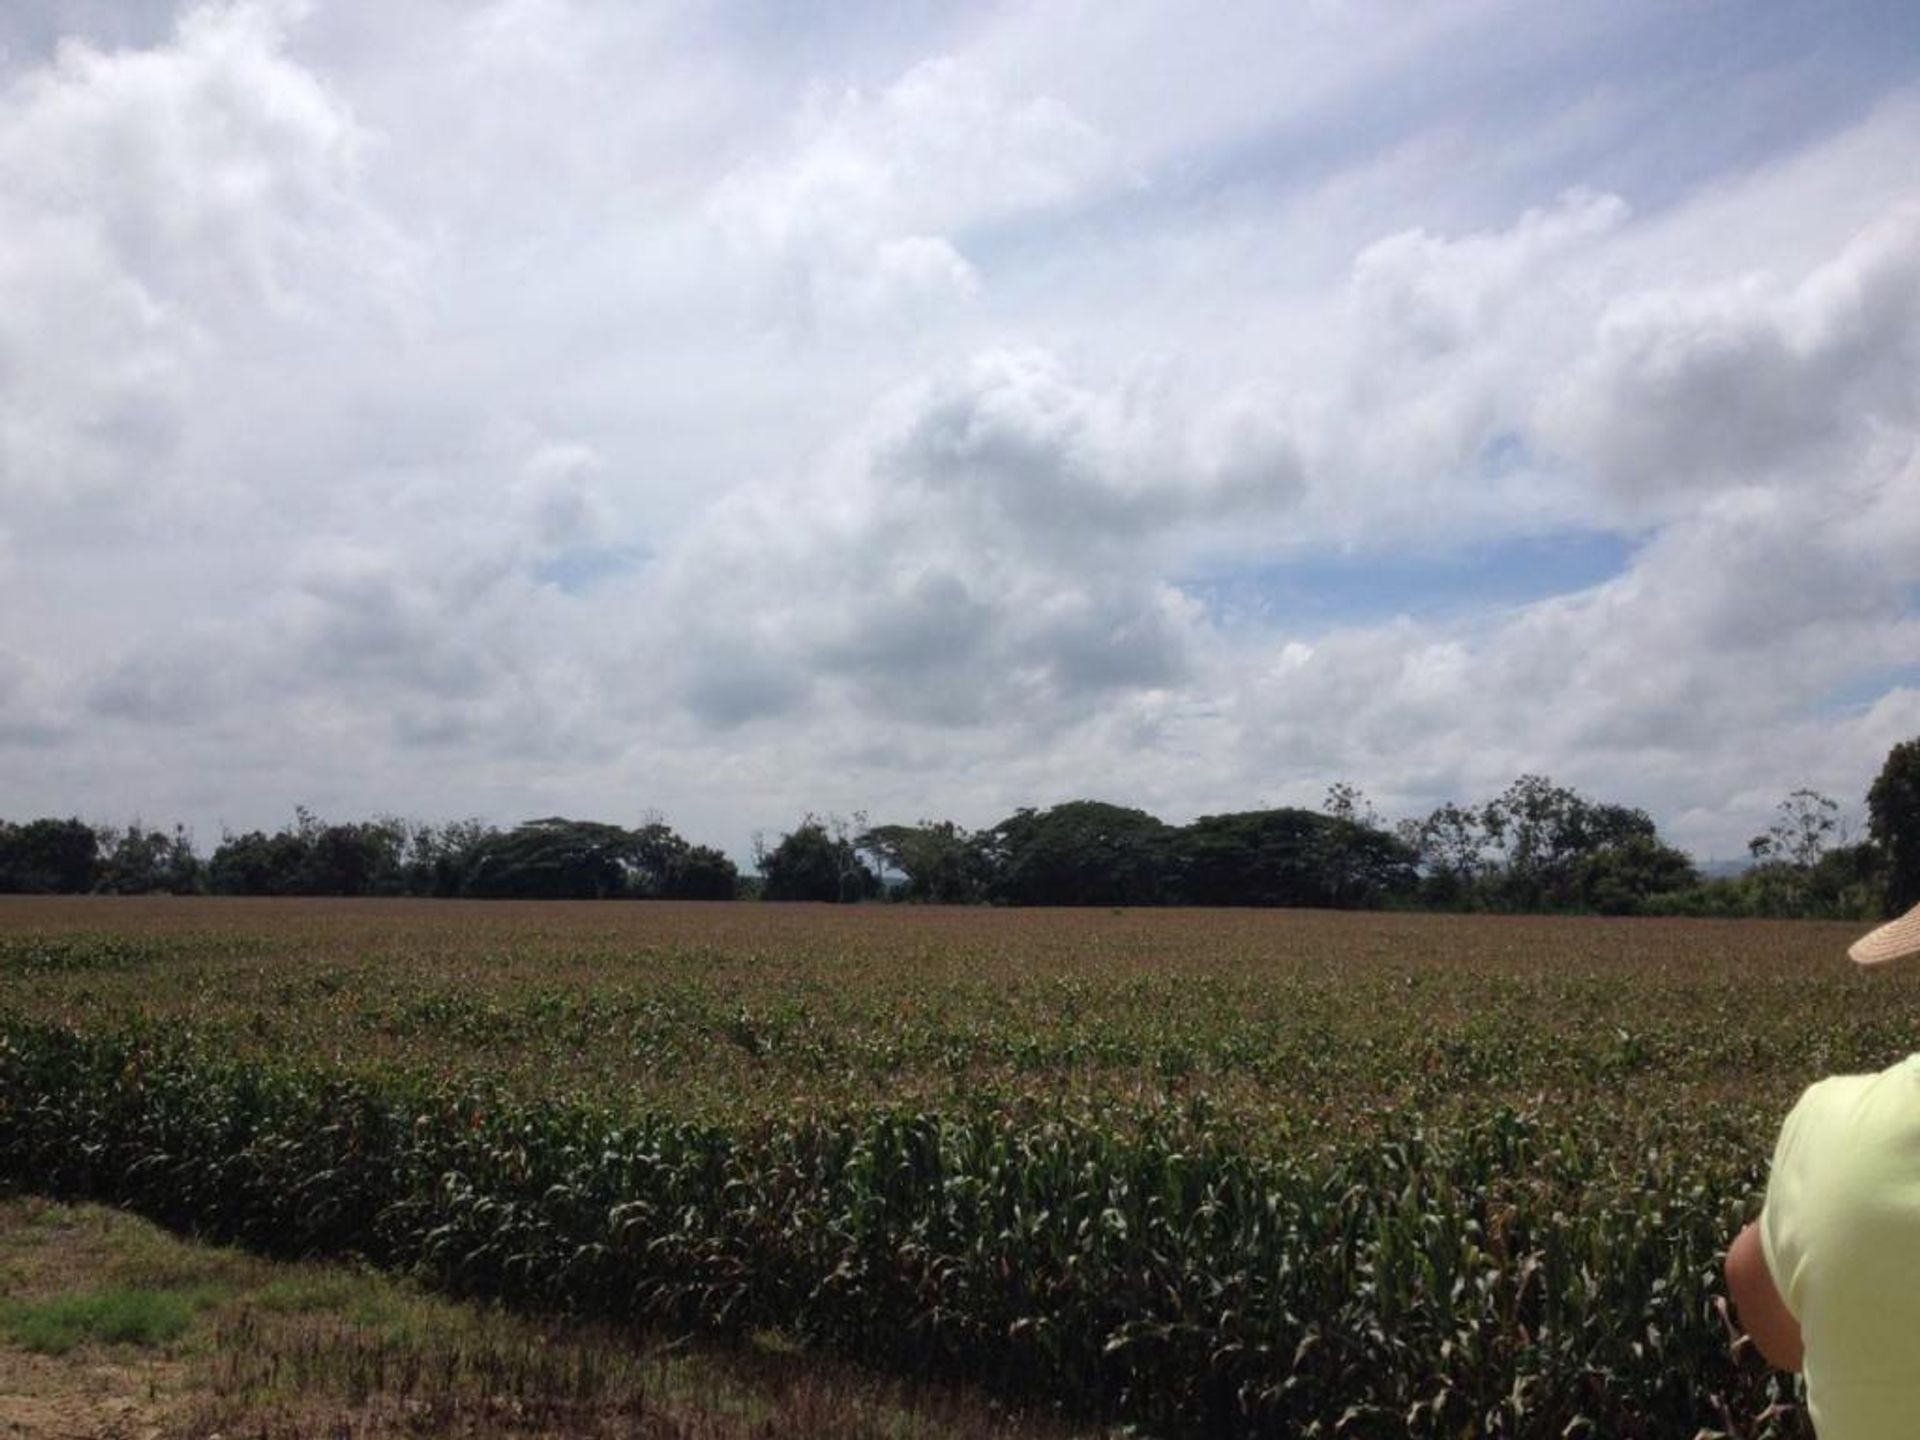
pixel 1892 941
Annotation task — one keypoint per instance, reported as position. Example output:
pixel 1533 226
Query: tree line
pixel 1536 847
pixel 550 859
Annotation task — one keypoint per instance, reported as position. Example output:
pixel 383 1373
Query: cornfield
pixel 1208 1173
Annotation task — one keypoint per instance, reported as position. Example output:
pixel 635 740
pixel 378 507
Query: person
pixel 1827 1280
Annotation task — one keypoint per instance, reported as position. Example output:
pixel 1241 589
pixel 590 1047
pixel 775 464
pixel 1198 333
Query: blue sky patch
pixel 580 569
pixel 1328 588
pixel 1865 688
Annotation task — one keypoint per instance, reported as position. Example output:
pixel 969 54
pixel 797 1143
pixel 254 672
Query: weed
pixel 112 1316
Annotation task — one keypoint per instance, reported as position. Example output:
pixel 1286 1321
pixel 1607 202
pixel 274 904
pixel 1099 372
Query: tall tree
pixel 255 863
pixel 553 859
pixel 1287 857
pixel 942 863
pixel 1453 852
pixel 701 872
pixel 1804 824
pixel 1084 852
pixel 1619 878
pixel 816 860
pixel 1893 811
pixel 139 861
pixel 1546 833
pixel 49 857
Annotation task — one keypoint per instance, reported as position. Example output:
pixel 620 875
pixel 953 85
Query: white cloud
pixel 157 207
pixel 864 207
pixel 1750 380
pixel 986 547
pixel 558 497
pixel 558 405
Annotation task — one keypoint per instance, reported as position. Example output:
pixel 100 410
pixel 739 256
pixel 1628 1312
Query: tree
pixel 1848 882
pixel 138 861
pixel 1534 822
pixel 48 857
pixel 1622 877
pixel 1084 852
pixel 1804 823
pixel 255 863
pixel 1451 848
pixel 657 853
pixel 1545 833
pixel 663 866
pixel 553 859
pixel 1287 857
pixel 1361 864
pixel 311 857
pixel 1893 811
pixel 815 862
pixel 1789 876
pixel 943 863
pixel 1347 802
pixel 439 858
pixel 355 859
pixel 701 872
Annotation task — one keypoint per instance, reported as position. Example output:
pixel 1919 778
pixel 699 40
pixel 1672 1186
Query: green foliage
pixel 816 861
pixel 1546 834
pixel 138 861
pixel 700 872
pixel 256 863
pixel 556 859
pixel 1504 1277
pixel 48 857
pixel 1539 846
pixel 115 1316
pixel 1084 852
pixel 32 954
pixel 1287 857
pixel 1536 847
pixel 314 858
pixel 1454 856
pixel 436 858
pixel 1630 876
pixel 1893 807
pixel 942 863
pixel 1804 825
pixel 541 859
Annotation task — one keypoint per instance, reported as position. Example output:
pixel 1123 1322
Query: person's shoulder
pixel 1852 1099
pixel 1823 1102
pixel 1831 1087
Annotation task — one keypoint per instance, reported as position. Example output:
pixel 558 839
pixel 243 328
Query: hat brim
pixel 1895 940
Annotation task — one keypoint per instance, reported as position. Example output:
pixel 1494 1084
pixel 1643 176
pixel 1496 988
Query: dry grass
pixel 289 1351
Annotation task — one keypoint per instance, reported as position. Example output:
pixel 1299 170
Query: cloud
pixel 558 498
pixel 865 207
pixel 1751 380
pixel 156 207
pixel 1419 297
pixel 177 686
pixel 555 405
pixel 974 551
pixel 29 715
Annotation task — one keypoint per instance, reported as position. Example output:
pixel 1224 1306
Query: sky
pixel 740 410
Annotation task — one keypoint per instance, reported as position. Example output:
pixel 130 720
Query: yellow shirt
pixel 1841 1233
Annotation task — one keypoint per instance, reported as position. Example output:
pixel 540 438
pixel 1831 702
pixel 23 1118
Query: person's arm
pixel 1757 1300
